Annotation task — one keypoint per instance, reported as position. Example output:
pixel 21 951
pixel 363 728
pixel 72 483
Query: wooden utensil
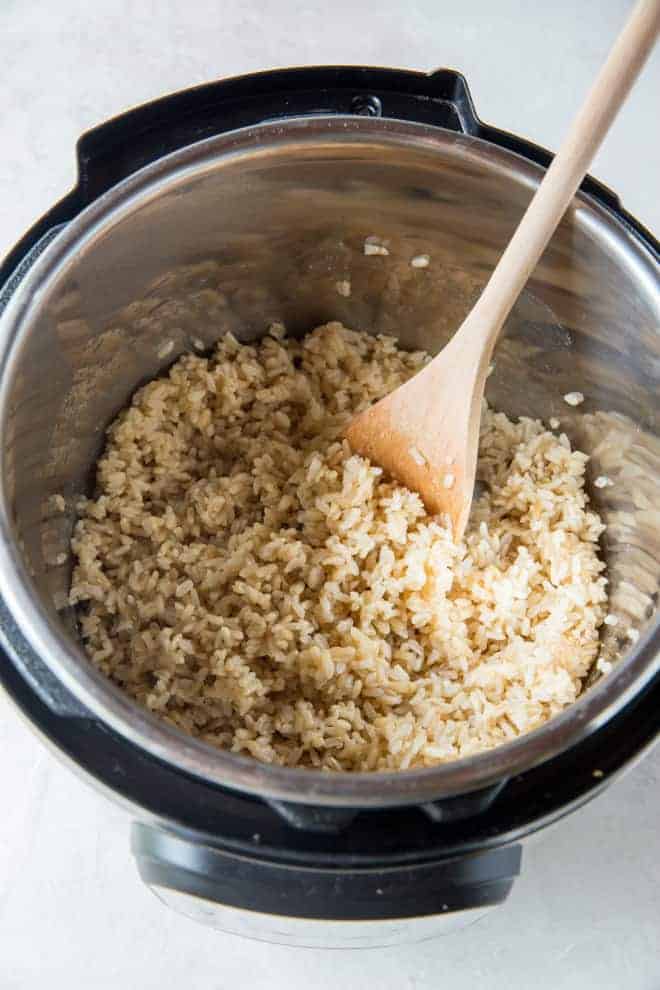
pixel 426 432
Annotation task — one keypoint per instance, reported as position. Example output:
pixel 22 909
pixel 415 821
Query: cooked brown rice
pixel 247 578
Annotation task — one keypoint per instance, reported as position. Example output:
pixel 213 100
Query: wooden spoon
pixel 426 432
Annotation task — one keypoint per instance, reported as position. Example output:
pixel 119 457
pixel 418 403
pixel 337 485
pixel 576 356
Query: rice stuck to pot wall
pixel 246 577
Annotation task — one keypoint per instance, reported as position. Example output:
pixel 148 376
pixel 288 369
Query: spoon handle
pixel 565 174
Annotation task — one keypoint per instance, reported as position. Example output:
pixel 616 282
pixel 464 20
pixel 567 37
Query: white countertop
pixel 73 914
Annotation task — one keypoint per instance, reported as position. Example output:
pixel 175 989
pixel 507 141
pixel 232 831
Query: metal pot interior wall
pixel 259 226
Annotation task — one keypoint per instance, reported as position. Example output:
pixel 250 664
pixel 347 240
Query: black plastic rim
pixel 109 154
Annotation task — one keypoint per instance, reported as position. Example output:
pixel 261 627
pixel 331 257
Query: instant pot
pixel 224 208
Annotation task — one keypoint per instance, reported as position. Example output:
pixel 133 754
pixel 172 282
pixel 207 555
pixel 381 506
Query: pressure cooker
pixel 222 209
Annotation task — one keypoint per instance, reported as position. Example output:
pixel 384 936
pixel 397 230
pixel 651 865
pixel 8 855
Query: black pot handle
pixel 120 146
pixel 171 861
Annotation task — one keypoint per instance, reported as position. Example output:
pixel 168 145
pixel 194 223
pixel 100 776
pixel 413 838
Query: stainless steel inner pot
pixel 259 225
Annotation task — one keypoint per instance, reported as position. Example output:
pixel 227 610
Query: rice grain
pixel 245 576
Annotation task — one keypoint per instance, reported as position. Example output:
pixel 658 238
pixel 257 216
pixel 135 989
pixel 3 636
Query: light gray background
pixel 586 912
